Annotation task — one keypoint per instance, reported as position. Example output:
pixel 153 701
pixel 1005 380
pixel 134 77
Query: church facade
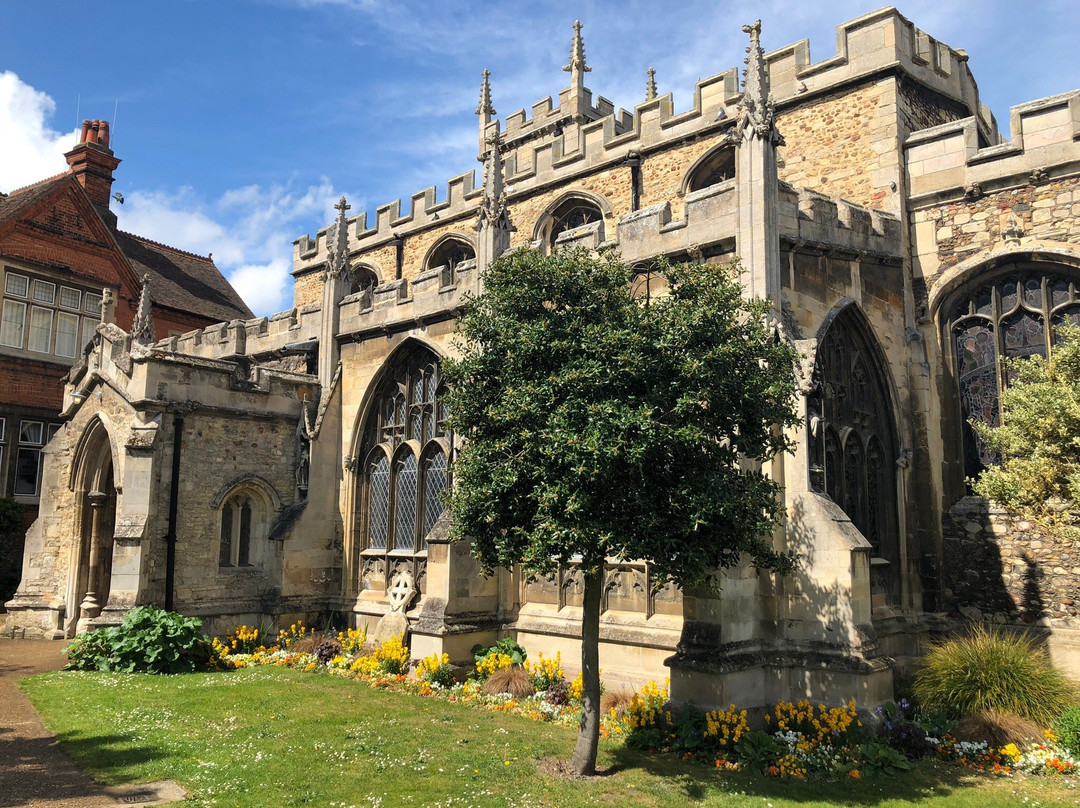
pixel 292 466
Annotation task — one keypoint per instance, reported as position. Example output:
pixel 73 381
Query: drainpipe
pixel 633 160
pixel 174 492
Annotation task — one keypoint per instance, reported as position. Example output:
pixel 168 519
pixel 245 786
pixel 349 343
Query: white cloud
pixel 30 149
pixel 248 230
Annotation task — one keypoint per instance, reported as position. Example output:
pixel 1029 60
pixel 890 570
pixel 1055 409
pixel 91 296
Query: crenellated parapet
pixel 808 218
pixel 947 162
pixel 573 135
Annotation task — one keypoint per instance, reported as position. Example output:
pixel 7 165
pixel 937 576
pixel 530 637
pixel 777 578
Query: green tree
pixel 1039 439
pixel 602 426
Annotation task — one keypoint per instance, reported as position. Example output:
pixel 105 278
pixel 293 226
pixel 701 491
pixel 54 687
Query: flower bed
pixel 799 739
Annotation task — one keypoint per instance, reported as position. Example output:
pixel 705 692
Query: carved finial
pixel 142 328
pixel 650 85
pixel 484 107
pixel 757 116
pixel 337 243
pixel 577 53
pixel 493 209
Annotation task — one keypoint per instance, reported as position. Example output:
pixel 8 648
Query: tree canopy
pixel 1039 438
pixel 598 425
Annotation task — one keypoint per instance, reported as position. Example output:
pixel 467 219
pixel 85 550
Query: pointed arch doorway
pixel 95 524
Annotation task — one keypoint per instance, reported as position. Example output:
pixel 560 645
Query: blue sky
pixel 240 122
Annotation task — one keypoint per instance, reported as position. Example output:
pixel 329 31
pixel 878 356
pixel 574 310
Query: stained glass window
pixel 399 500
pixel 1009 316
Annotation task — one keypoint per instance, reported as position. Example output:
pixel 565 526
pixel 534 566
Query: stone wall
pixel 1003 568
pixel 835 144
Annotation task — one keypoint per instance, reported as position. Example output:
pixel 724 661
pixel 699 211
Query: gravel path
pixel 34 771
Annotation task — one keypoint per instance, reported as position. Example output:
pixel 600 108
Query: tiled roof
pixel 182 280
pixel 22 198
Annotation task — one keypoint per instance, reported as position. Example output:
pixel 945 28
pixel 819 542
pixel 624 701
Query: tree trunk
pixel 584 760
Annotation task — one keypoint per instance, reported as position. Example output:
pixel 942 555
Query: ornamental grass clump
pixel 514 681
pixel 989 670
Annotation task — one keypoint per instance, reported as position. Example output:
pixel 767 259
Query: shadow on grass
pixel 695 782
pixel 36 771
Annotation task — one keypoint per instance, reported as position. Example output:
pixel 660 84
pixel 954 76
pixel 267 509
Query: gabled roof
pixel 182 280
pixel 178 280
pixel 22 199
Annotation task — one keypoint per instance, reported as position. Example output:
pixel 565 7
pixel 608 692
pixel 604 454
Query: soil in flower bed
pixel 270 736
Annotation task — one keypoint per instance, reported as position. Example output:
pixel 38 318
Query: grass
pixel 277 737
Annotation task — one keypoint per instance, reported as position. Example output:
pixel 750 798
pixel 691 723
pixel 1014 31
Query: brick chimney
pixel 92 163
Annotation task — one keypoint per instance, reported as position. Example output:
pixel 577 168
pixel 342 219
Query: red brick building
pixel 60 250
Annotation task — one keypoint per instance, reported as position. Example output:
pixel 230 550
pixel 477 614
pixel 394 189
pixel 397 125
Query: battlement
pixel 574 136
pixel 946 161
pixel 810 218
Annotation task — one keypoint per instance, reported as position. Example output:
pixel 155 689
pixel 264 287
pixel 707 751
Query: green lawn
pixel 277 737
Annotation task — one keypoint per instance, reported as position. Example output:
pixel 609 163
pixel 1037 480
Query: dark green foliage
pixel 991 670
pixel 602 427
pixel 884 758
pixel 759 750
pixel 507 645
pixel 149 640
pixel 12 534
pixel 1067 730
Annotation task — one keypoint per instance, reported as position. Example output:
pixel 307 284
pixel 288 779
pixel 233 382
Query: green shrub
pixel 1067 730
pixel 991 670
pixel 149 639
pixel 506 646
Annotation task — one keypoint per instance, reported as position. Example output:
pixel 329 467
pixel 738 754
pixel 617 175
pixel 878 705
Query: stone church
pixel 292 466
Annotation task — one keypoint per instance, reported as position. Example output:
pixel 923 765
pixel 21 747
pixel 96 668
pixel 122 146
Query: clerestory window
pixel 715 168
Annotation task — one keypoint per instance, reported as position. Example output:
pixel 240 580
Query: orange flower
pixel 853 774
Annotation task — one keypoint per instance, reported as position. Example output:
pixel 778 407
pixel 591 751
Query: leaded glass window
pixel 406 446
pixel 852 444
pixel 1012 315
pixel 716 168
pixel 237 517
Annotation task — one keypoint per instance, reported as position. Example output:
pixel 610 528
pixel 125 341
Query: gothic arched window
pixel 852 445
pixel 239 516
pixel 571 214
pixel 405 450
pixel 1010 316
pixel 714 168
pixel 364 280
pixel 450 253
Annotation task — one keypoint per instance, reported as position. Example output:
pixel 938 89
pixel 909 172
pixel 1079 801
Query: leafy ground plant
pixel 272 737
pixel 149 640
pixel 993 670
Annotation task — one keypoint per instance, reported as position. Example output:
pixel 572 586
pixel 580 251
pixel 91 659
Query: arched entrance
pixel 95 521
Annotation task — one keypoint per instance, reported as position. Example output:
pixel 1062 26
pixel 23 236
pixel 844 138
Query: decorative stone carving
pixel 401 591
pixel 973 192
pixel 337 259
pixel 142 327
pixel 757 116
pixel 1038 176
pixel 1013 230
pixel 650 85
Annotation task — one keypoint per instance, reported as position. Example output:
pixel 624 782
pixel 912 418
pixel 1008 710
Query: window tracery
pixel 714 169
pixel 406 448
pixel 1012 315
pixel 450 254
pixel 852 448
pixel 571 214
